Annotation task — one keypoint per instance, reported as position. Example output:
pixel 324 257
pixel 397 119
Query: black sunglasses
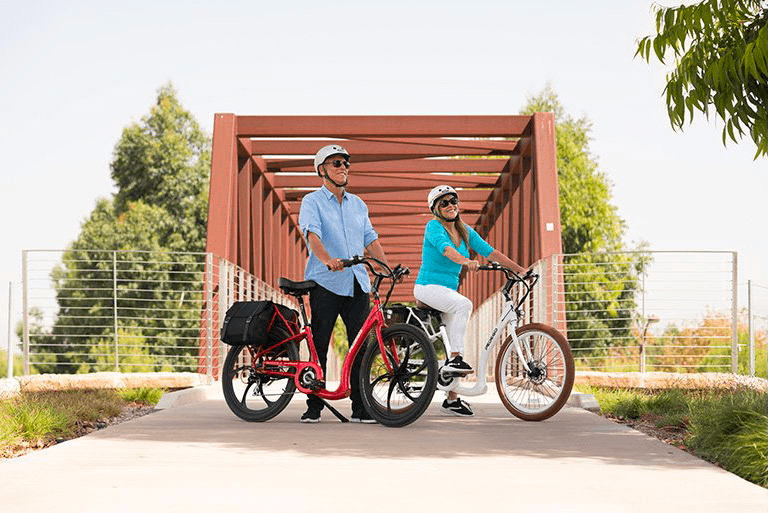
pixel 452 201
pixel 339 163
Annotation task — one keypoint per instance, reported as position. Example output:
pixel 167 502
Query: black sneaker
pixel 362 418
pixel 311 416
pixel 458 365
pixel 457 407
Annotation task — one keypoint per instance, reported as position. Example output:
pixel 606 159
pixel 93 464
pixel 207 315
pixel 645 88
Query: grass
pixel 38 419
pixel 732 430
pixel 146 396
pixel 725 427
pixel 18 364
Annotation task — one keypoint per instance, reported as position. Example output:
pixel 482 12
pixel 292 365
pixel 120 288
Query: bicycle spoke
pixel 389 395
pixel 378 380
pixel 263 395
pixel 245 393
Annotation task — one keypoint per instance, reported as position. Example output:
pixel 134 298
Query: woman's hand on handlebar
pixel 471 265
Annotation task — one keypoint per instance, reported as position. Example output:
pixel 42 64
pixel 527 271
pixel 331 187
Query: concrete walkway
pixel 197 456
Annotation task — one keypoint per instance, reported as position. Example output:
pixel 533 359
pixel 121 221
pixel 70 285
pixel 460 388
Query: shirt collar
pixel 329 195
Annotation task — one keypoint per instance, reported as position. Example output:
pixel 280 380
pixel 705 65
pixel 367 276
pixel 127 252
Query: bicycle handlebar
pixel 394 274
pixel 511 275
pixel 513 278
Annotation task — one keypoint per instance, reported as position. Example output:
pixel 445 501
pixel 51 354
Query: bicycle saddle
pixel 296 288
pixel 428 309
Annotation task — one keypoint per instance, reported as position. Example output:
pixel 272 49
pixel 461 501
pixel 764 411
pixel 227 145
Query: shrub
pixel 732 430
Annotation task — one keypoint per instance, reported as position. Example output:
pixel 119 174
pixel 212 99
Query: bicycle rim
pixel 397 386
pixel 538 393
pixel 251 390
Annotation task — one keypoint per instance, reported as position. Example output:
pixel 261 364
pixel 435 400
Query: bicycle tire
pixel 398 397
pixel 541 393
pixel 252 394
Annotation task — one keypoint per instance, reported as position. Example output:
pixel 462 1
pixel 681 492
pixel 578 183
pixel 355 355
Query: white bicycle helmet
pixel 438 192
pixel 325 152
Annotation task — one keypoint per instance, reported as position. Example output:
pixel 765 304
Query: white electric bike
pixel 534 369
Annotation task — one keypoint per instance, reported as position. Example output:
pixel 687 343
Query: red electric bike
pixel 398 374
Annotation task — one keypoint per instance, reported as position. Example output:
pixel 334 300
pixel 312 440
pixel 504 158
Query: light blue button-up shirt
pixel 345 230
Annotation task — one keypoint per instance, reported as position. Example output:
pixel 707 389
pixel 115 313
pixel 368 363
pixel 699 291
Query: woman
pixel 447 241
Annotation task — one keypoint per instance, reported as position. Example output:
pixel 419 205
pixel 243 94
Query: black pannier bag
pixel 258 322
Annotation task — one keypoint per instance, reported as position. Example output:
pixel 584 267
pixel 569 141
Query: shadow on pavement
pixel 572 433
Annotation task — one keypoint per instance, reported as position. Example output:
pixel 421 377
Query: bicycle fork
pixel 510 316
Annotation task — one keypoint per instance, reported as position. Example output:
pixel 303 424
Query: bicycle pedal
pixel 453 374
pixel 317 385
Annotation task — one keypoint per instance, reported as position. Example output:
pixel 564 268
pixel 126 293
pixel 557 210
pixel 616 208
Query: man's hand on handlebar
pixel 334 264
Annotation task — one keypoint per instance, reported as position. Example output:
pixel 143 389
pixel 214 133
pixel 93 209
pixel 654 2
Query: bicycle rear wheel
pixel 252 390
pixel 540 392
pixel 397 386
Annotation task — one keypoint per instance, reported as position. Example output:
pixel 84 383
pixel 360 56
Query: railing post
pixel 642 317
pixel 554 289
pixel 734 312
pixel 114 306
pixel 25 309
pixel 751 331
pixel 223 293
pixel 9 353
pixel 209 314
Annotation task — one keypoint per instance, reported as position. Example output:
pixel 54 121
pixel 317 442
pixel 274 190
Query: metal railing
pixel 757 328
pixel 636 311
pixel 129 311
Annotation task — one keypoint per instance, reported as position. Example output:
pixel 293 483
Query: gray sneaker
pixel 457 407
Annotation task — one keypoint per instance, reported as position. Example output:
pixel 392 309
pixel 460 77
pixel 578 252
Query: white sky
pixel 74 74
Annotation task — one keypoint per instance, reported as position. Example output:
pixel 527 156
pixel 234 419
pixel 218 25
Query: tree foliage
pixel 165 161
pixel 720 49
pixel 161 167
pixel 600 280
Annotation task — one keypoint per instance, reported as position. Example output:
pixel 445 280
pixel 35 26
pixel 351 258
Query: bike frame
pixel 509 315
pixel 374 321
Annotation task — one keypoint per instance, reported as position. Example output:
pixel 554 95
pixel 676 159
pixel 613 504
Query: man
pixel 335 225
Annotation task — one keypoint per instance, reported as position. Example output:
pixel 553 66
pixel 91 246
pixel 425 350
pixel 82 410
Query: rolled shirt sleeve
pixel 370 234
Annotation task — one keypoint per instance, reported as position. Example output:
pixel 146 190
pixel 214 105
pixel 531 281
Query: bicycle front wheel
pixel 398 384
pixel 252 389
pixel 540 392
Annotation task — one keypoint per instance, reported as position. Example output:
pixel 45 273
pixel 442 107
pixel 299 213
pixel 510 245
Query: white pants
pixel 455 307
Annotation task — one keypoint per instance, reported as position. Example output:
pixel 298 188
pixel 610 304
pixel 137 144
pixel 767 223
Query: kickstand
pixel 334 410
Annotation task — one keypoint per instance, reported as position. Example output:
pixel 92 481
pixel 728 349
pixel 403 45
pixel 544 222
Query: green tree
pixel 165 161
pixel 38 336
pixel 720 49
pixel 599 280
pixel 161 167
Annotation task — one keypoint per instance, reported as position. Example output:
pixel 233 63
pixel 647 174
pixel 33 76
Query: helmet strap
pixel 339 185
